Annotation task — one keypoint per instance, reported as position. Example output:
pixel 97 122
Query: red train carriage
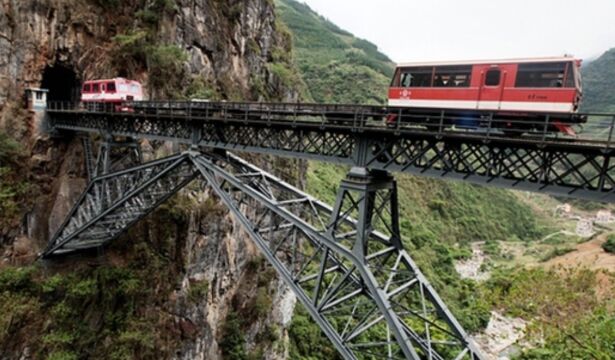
pixel 522 90
pixel 110 94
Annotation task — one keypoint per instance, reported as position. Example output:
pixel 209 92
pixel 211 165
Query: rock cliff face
pixel 228 43
pixel 227 49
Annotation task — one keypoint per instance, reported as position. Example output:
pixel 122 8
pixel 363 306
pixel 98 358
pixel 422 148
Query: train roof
pixel 493 61
pixel 114 79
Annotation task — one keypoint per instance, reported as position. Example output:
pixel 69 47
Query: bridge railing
pixel 537 126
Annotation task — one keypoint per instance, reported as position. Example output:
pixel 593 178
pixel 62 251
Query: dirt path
pixel 589 255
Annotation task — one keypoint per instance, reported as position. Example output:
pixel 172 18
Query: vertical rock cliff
pixel 216 296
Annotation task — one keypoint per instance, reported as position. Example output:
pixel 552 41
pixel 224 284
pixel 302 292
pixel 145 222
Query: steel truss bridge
pixel 346 263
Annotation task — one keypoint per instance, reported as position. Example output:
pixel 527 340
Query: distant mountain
pixel 599 83
pixel 328 57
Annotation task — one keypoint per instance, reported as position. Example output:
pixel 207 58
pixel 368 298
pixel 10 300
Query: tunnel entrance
pixel 62 83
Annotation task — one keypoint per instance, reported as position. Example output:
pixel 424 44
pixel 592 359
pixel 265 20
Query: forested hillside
pixel 440 219
pixel 599 84
pixel 337 66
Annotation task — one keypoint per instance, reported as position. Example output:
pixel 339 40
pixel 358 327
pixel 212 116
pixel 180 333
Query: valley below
pixel 562 251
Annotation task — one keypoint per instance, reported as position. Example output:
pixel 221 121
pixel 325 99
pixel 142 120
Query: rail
pixel 589 128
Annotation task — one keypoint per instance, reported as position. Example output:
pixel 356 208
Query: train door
pixel 491 90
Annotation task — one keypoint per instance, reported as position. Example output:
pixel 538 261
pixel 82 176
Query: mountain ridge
pixel 599 83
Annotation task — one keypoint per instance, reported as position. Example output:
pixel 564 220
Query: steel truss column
pixel 116 155
pixel 358 284
pixel 89 157
pixel 419 320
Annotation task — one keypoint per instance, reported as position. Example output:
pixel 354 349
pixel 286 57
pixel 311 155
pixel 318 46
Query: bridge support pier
pixel 365 218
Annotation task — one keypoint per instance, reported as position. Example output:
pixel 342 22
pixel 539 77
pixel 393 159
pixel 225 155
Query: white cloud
pixel 411 30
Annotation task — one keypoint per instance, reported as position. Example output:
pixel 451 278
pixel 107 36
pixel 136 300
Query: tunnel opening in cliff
pixel 62 83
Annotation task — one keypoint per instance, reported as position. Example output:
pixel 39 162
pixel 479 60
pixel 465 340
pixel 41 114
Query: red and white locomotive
pixel 110 93
pixel 520 89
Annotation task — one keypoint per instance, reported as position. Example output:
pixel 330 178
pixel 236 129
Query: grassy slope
pixel 337 67
pixel 599 83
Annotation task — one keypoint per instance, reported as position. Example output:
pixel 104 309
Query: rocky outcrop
pixel 228 43
pixel 229 46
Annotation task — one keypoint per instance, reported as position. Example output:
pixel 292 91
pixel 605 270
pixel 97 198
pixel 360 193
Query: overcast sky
pixel 417 30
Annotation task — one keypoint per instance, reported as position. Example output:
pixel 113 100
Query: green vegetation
pixel 198 290
pixel 13 182
pixel 232 338
pixel 165 63
pixel 85 309
pixel 599 84
pixel 609 245
pixel 91 312
pixel 247 311
pixel 139 49
pixel 306 339
pixel 336 66
pixel 564 309
pixel 557 251
pixel 107 4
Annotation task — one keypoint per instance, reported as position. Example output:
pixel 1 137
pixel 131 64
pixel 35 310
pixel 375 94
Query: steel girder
pixel 112 155
pixel 359 284
pixel 112 203
pixel 563 168
pixel 346 264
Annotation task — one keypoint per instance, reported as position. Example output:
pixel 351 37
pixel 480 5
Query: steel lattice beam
pixel 359 284
pixel 112 203
pixel 559 167
pixel 346 264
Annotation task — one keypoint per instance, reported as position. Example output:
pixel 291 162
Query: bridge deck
pixel 500 150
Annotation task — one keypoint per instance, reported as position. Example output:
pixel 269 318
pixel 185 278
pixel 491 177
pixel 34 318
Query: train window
pixel 95 88
pixel 493 77
pixel 111 87
pixel 569 81
pixel 452 76
pixel 545 75
pixel 87 88
pixel 416 77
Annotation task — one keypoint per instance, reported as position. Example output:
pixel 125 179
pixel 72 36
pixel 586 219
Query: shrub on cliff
pixel 138 50
pixel 609 245
pixel 13 186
